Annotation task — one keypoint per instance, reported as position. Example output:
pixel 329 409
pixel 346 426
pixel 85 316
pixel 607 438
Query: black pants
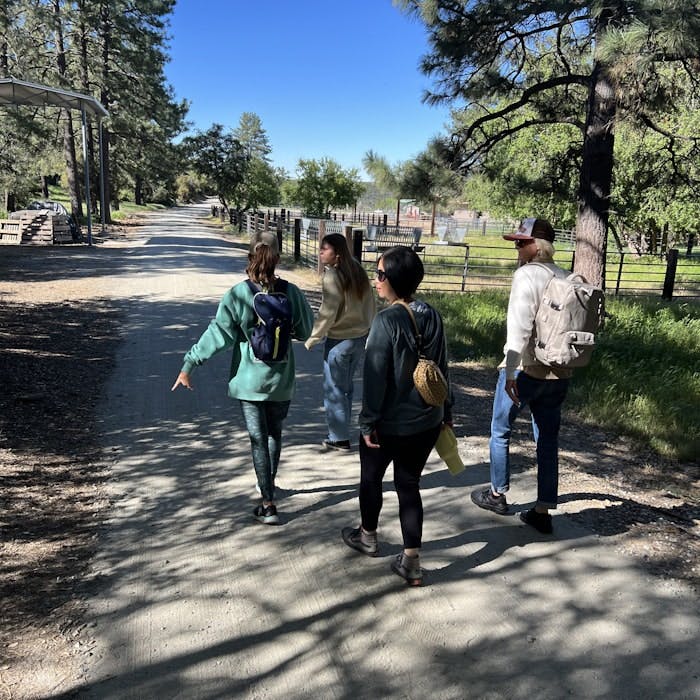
pixel 409 453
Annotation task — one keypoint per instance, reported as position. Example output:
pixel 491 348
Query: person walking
pixel 396 424
pixel 523 381
pixel 346 313
pixel 264 389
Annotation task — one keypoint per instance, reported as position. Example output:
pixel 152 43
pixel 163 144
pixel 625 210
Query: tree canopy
pixel 114 51
pixel 516 67
pixel 322 185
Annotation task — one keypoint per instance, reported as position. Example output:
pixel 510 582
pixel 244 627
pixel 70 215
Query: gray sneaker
pixel 484 498
pixel 364 542
pixel 408 568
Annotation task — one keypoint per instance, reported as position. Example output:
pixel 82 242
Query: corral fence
pixel 470 256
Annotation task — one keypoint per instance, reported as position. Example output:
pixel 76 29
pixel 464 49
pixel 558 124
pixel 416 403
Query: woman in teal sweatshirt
pixel 264 390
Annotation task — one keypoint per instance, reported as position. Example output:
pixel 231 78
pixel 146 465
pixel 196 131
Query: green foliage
pixel 518 68
pixel 190 186
pixel 219 157
pixel 656 184
pixel 643 380
pixel 322 185
pixel 252 136
pixel 110 50
pixel 260 183
pixel 475 324
pixel 535 171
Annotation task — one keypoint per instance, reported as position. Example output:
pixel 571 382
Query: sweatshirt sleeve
pixel 522 307
pixel 377 367
pixel 303 315
pixel 331 304
pixel 223 332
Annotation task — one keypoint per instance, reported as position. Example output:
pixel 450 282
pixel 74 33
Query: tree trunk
pixel 105 98
pixel 72 174
pixel 596 176
pixel 138 187
pixel 45 186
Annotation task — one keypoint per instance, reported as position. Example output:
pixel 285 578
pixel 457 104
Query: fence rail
pixel 474 260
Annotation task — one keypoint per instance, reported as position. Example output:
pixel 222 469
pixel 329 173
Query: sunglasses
pixel 522 244
pixel 381 275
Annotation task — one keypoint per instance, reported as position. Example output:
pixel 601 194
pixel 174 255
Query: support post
pixel 86 170
pixel 669 281
pixel 103 194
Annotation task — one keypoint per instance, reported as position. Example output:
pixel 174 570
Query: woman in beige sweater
pixel 346 313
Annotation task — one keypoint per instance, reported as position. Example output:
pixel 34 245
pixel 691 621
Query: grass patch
pixel 643 380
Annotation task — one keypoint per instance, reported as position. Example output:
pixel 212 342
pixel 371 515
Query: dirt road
pixel 196 600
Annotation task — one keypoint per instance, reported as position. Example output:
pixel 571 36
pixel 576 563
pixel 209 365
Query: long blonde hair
pixel 353 277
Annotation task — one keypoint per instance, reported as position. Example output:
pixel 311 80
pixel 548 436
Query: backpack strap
pixel 543 265
pixel 280 286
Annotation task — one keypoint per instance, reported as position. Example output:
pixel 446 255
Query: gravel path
pixel 130 567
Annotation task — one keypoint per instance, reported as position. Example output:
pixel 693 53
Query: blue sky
pixel 328 78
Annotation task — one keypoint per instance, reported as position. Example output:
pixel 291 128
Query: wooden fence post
pixel 297 240
pixel 347 232
pixel 280 233
pixel 357 244
pixel 671 264
pixel 321 234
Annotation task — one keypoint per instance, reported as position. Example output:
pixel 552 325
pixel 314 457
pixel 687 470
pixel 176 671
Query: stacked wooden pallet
pixel 10 232
pixel 42 226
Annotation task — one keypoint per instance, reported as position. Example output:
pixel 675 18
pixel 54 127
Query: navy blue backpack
pixel 272 333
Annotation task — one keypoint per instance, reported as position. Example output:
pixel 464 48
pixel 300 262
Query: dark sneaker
pixel 542 522
pixel 408 568
pixel 266 514
pixel 361 541
pixel 343 445
pixel 484 498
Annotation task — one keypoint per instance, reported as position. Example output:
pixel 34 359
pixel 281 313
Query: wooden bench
pixel 381 238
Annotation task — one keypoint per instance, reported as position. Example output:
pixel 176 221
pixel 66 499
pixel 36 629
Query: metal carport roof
pixel 20 92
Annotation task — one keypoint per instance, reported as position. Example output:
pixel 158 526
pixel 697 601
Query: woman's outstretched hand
pixel 183 379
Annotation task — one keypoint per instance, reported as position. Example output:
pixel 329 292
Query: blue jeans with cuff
pixel 545 398
pixel 341 359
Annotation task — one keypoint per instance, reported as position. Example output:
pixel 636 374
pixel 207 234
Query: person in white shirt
pixel 523 381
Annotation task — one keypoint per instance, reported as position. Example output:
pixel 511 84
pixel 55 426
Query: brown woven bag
pixel 429 380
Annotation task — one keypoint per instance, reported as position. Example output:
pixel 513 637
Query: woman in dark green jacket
pixel 263 389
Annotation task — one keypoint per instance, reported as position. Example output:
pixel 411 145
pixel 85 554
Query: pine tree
pixel 517 66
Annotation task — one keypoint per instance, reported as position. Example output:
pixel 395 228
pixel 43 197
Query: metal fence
pixel 473 259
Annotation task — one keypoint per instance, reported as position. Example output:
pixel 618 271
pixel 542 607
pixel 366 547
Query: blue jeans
pixel 341 358
pixel 263 419
pixel 545 398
